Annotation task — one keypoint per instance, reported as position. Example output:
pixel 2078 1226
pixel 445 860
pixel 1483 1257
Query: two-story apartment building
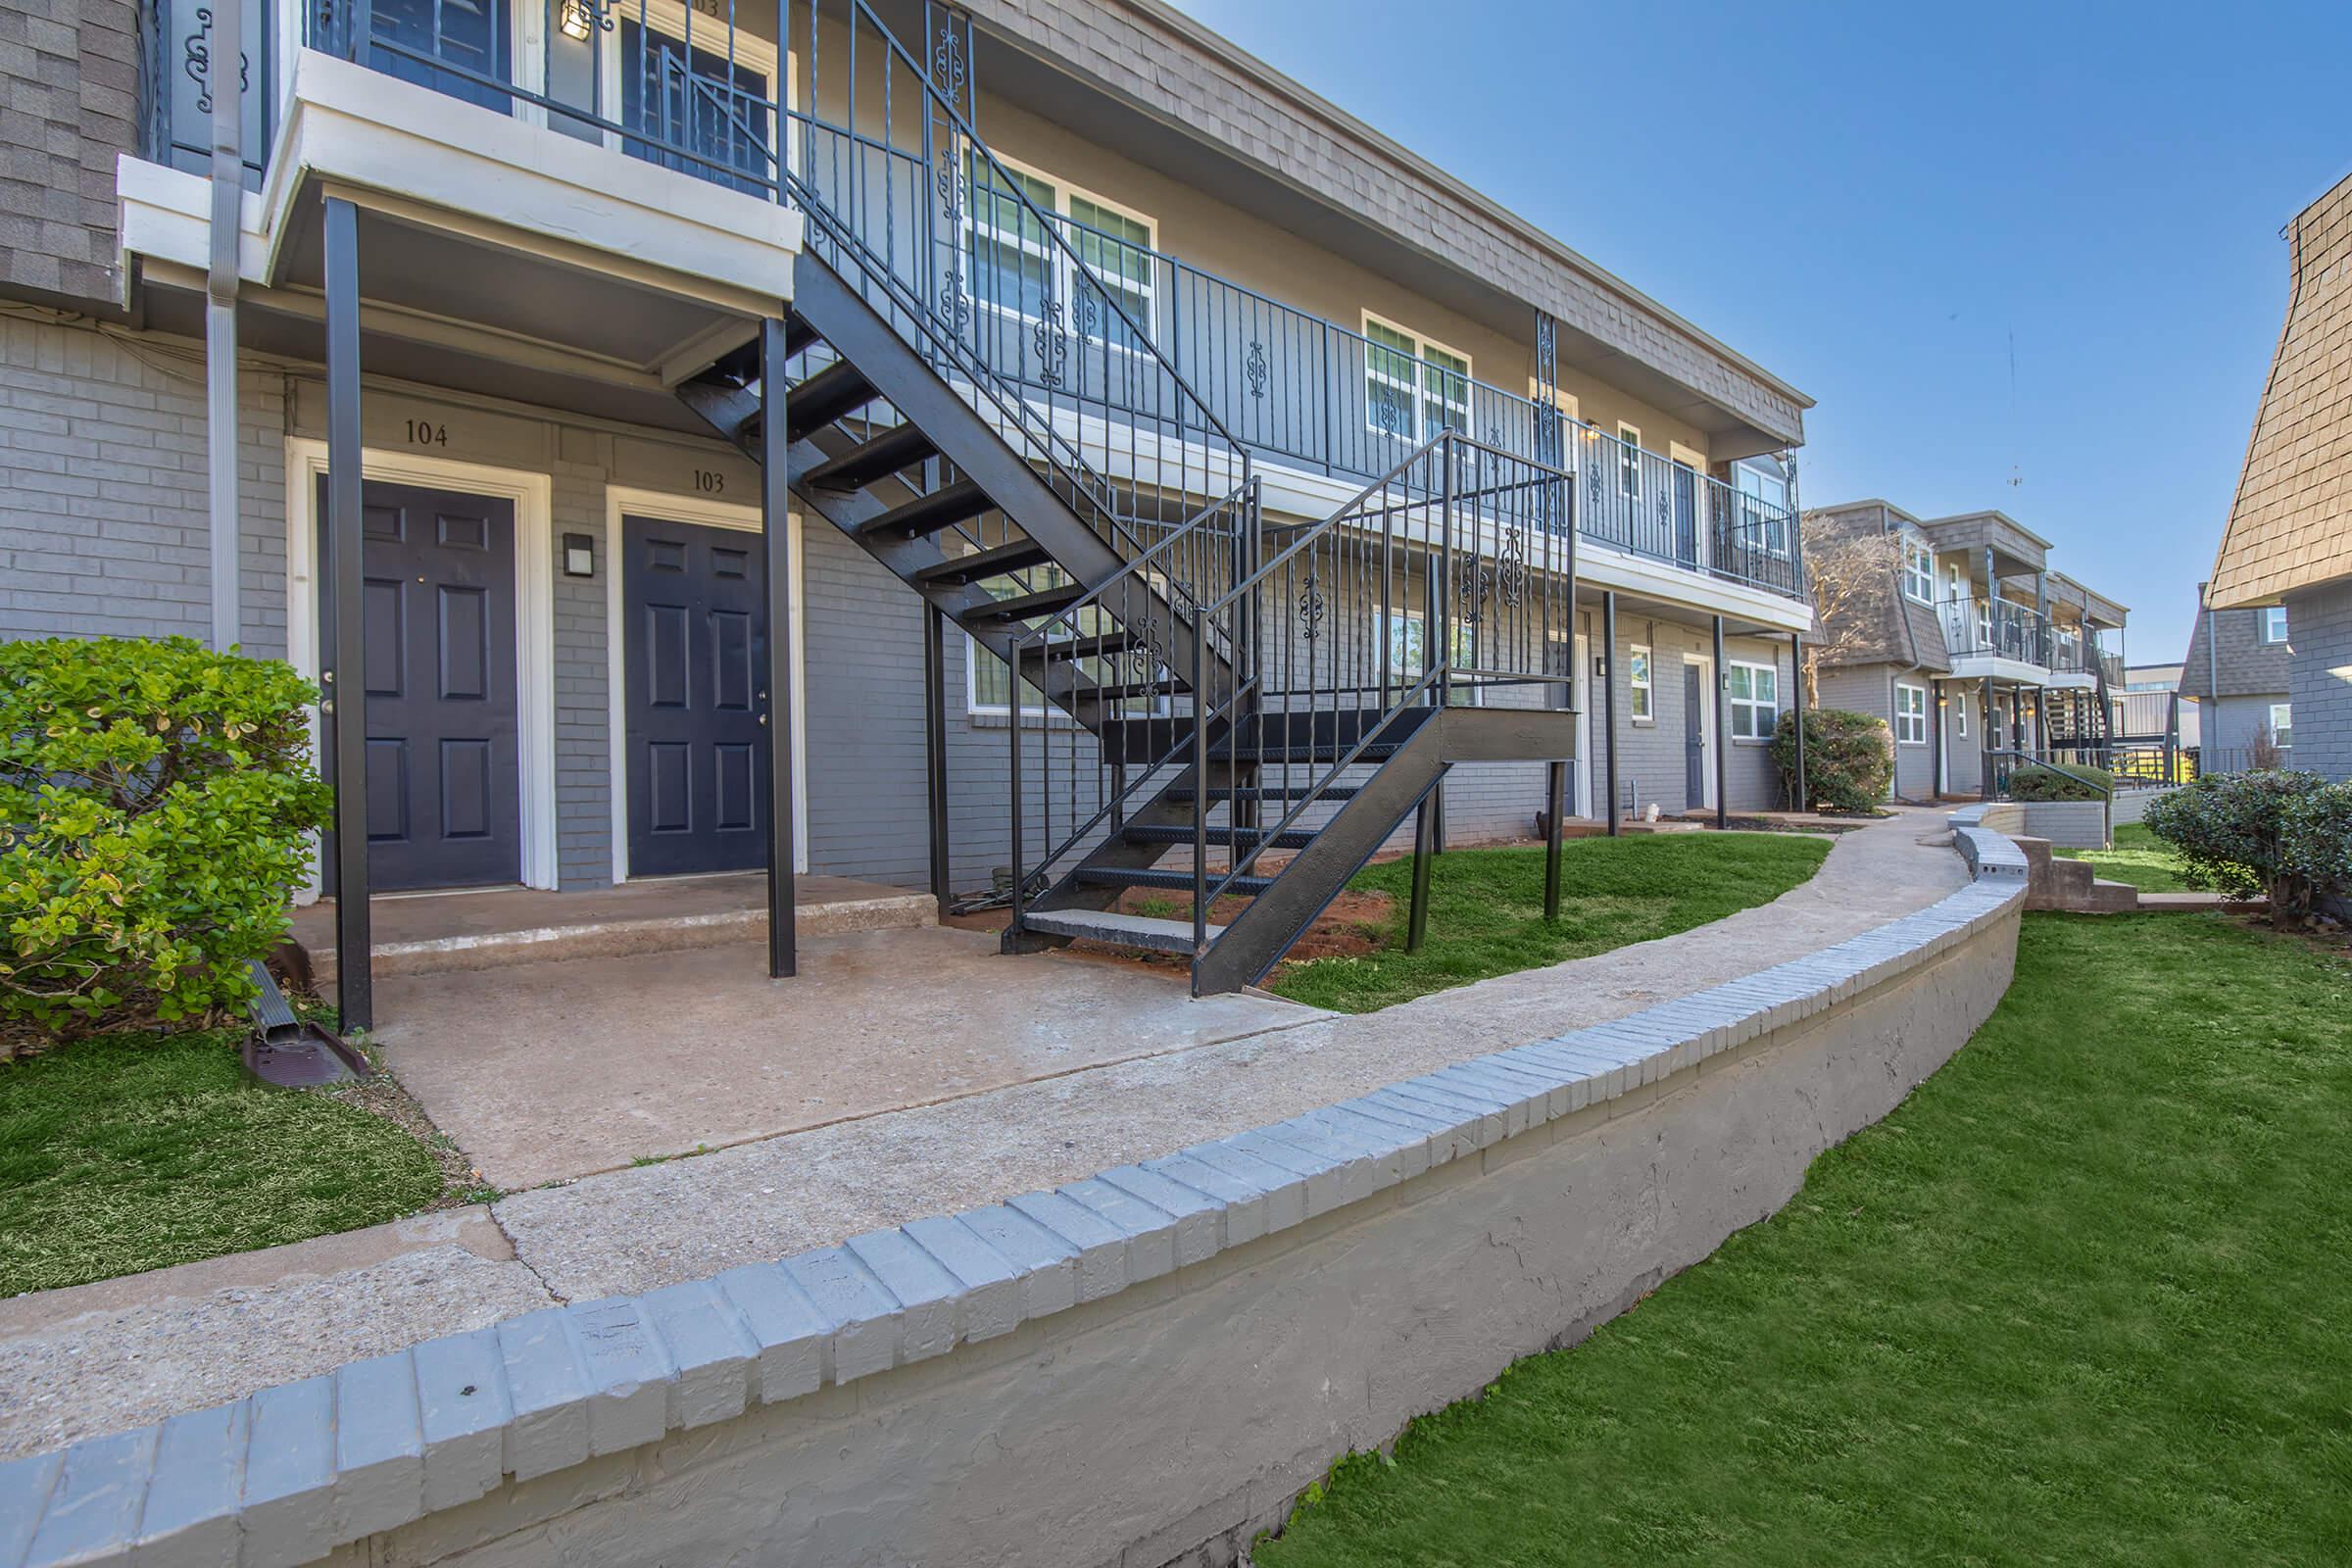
pixel 2284 570
pixel 1294 478
pixel 2238 672
pixel 1973 649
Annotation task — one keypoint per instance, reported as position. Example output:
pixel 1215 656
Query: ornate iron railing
pixel 1099 328
pixel 1997 627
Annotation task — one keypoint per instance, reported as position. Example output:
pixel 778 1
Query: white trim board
pixel 626 501
pixel 533 497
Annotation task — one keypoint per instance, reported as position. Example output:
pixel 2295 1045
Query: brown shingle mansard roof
pixel 2291 526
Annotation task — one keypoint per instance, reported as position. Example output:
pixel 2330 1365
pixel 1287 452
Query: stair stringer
pixel 1256 940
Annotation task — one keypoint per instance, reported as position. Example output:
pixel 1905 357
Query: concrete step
pixel 2103 897
pixel 600 925
pixel 1125 930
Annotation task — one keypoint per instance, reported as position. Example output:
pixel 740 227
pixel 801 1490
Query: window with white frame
pixel 1628 460
pixel 1413 387
pixel 2283 724
pixel 1406 637
pixel 1754 691
pixel 1014 263
pixel 1910 714
pixel 988 680
pixel 1960 714
pixel 1955 581
pixel 2273 624
pixel 1764 503
pixel 1637 679
pixel 1918 570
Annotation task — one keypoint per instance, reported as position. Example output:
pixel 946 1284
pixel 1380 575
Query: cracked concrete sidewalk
pixel 114 1354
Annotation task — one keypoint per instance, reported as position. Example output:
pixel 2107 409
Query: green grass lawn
pixel 2082 1299
pixel 132 1152
pixel 1486 909
pixel 2138 857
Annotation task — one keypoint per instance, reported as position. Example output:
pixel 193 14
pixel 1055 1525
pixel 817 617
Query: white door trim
pixel 533 495
pixel 624 500
pixel 1580 691
pixel 1706 726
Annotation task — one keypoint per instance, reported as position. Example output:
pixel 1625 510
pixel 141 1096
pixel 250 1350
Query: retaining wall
pixel 1138 1369
pixel 2131 806
pixel 2069 824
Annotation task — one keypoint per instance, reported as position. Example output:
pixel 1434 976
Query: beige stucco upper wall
pixel 2291 526
pixel 1201 230
pixel 1189 78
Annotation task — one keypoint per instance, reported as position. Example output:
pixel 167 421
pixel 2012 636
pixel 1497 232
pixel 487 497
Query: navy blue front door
pixel 696 655
pixel 444 748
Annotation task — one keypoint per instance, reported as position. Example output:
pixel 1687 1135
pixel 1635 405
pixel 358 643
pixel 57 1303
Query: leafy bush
pixel 2232 833
pixel 1850 758
pixel 2316 839
pixel 154 798
pixel 2037 781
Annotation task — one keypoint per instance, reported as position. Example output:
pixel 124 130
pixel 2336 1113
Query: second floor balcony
pixel 1076 306
pixel 1978 631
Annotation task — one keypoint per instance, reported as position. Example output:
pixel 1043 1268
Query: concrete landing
pixel 548 1071
pixel 433 933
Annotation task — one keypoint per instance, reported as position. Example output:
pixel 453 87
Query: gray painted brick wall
pixel 102 527
pixel 102 488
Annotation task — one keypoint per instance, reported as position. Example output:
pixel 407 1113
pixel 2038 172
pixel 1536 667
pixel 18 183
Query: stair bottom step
pixel 1179 878
pixel 1125 930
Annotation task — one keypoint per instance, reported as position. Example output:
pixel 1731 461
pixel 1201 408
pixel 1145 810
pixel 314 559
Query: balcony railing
pixel 674 85
pixel 1995 628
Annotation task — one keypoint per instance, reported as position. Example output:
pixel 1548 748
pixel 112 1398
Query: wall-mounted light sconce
pixel 580 18
pixel 579 556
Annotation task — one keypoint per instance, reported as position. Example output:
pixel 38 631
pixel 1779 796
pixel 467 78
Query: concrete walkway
pixel 175 1341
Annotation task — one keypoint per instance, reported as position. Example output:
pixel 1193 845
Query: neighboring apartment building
pixel 1965 643
pixel 2238 673
pixel 2152 708
pixel 1074 322
pixel 2287 547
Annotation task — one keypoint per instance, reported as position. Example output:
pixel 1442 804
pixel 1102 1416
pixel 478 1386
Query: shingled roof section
pixel 2291 526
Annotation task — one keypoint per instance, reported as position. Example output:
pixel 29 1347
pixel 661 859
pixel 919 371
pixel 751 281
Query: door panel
pixel 444 748
pixel 694 601
pixel 1695 737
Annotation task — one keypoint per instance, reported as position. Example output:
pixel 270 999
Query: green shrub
pixel 154 798
pixel 2040 781
pixel 2231 832
pixel 1849 760
pixel 2316 841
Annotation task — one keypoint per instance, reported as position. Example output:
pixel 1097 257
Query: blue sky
pixel 2024 257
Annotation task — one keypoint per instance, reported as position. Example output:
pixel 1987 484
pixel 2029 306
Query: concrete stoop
pixel 498 930
pixel 2054 882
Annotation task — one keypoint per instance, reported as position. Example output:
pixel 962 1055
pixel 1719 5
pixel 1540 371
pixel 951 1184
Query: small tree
pixel 154 802
pixel 2231 832
pixel 2263 753
pixel 1849 760
pixel 1853 577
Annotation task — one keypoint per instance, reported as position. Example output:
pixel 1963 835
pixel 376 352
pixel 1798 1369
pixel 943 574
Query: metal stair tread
pixel 1342 792
pixel 900 447
pixel 992 562
pixel 837 390
pixel 1125 930
pixel 1177 877
pixel 1021 607
pixel 939 509
pixel 1225 837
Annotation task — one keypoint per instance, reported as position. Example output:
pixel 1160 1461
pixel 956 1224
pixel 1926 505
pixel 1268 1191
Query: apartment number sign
pixel 428 433
pixel 710 482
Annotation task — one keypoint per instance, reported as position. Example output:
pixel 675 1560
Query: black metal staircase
pixel 1201 703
